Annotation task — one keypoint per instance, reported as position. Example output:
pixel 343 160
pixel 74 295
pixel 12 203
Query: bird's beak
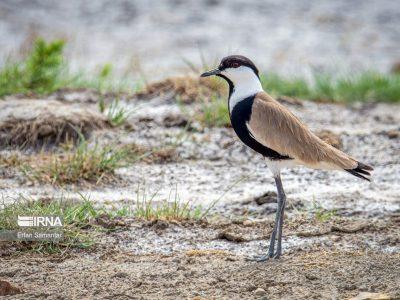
pixel 210 73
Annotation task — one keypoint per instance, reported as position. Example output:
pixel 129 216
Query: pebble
pixel 248 223
pixel 260 292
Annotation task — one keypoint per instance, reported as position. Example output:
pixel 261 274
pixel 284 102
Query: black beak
pixel 210 73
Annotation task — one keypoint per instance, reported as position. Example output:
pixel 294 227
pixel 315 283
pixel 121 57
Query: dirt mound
pixel 37 123
pixel 185 89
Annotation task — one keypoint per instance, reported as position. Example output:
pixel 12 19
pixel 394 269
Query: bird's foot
pixel 277 256
pixel 278 253
pixel 262 258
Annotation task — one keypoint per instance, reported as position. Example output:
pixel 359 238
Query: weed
pixel 45 69
pixel 214 113
pixel 149 209
pixel 362 86
pixel 278 85
pixel 40 72
pixel 116 113
pixel 321 214
pixel 88 163
pixel 76 216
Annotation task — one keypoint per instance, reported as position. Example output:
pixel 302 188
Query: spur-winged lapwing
pixel 269 128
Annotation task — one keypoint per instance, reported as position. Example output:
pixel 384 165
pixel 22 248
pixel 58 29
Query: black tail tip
pixel 361 171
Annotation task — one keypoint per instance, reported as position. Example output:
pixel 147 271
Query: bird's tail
pixel 362 171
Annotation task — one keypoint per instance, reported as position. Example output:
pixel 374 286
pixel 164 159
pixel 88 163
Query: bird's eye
pixel 235 65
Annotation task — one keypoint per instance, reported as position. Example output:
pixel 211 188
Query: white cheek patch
pixel 245 82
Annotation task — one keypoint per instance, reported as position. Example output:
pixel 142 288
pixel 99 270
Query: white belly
pixel 277 165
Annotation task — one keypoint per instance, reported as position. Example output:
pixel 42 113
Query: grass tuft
pixel 214 113
pixel 77 216
pixel 368 86
pixel 278 85
pixel 83 221
pixel 116 113
pixel 149 209
pixel 39 72
pixel 44 70
pixel 321 214
pixel 83 163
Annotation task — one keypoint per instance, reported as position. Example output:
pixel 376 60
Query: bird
pixel 271 129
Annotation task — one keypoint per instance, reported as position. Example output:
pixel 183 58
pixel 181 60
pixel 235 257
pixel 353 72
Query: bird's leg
pixel 281 209
pixel 277 219
pixel 277 231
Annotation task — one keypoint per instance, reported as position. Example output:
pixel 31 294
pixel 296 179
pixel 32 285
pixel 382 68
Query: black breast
pixel 240 115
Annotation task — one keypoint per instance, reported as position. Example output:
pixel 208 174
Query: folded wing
pixel 276 127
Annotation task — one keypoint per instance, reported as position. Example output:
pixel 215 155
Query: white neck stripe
pixel 245 84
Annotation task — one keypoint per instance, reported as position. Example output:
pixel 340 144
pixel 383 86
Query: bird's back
pixel 274 126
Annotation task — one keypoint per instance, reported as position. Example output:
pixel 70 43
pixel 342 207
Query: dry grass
pixel 11 160
pixel 171 208
pixel 185 89
pixel 42 123
pixel 79 222
pixel 85 163
pixel 213 252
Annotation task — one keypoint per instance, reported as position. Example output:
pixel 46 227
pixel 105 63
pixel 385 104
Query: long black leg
pixel 276 235
pixel 281 207
pixel 271 248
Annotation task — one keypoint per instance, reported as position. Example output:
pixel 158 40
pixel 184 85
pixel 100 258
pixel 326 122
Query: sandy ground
pixel 355 250
pixel 159 260
pixel 160 35
pixel 212 162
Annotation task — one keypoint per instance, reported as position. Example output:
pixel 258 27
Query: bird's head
pixel 236 69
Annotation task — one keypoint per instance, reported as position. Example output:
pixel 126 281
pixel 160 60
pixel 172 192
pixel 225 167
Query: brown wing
pixel 276 127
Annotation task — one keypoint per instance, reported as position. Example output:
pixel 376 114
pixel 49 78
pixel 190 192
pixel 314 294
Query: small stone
pixel 393 134
pixel 230 236
pixel 268 197
pixel 120 275
pixel 7 289
pixel 248 223
pixel 175 121
pixel 311 276
pixel 231 258
pixel 336 238
pixel 259 292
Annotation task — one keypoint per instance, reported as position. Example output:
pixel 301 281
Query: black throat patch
pixel 240 116
pixel 230 83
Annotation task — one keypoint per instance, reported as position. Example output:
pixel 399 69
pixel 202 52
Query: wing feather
pixel 276 127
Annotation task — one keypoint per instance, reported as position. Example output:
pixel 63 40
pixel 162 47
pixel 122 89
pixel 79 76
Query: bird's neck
pixel 243 89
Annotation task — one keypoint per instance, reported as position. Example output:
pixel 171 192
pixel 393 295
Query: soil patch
pixel 42 123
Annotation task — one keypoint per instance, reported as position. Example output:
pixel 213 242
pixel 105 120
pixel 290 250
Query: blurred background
pixel 164 37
